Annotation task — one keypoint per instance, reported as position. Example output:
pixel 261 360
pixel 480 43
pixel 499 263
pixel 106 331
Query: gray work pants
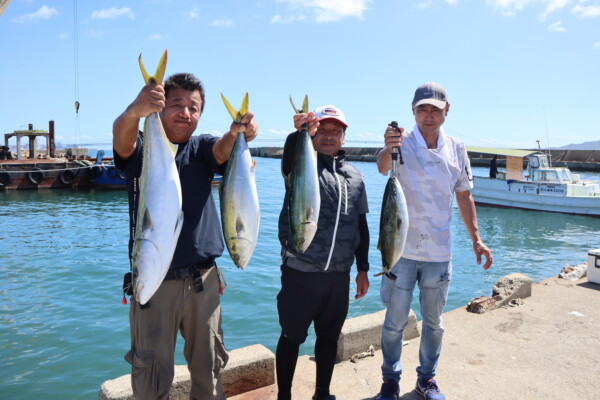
pixel 197 316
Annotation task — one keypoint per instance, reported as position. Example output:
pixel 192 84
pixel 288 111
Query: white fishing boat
pixel 539 187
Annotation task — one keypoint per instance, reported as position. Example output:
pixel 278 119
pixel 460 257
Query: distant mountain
pixel 595 145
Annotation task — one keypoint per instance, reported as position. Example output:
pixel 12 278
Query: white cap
pixel 331 112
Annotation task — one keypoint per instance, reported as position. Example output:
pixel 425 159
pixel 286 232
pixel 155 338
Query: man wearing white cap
pixel 434 169
pixel 315 284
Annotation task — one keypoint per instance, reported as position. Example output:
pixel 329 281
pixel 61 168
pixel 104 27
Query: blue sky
pixel 515 70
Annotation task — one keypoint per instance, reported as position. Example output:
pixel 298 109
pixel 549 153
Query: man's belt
pixel 189 270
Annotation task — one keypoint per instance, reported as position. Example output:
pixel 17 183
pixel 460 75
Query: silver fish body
pixel 159 215
pixel 305 198
pixel 240 211
pixel 393 224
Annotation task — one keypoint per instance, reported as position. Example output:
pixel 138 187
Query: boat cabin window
pixel 544 175
pixel 565 175
pixel 534 162
pixel 538 161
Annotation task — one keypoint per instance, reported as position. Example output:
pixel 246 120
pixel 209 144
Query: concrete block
pixel 479 305
pixel 510 287
pixel 248 368
pixel 361 332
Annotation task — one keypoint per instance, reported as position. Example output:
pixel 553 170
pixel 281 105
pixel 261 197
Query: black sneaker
pixel 429 389
pixel 390 390
pixel 330 397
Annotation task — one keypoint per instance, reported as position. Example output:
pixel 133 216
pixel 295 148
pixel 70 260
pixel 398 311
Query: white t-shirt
pixel 429 178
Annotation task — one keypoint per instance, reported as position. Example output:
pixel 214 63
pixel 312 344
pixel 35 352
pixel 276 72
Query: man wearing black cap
pixel 315 283
pixel 435 168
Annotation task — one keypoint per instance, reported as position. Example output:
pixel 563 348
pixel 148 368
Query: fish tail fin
pixel 305 104
pixel 160 70
pixel 235 114
pixel 244 107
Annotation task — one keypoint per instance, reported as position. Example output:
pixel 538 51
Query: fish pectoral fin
pixel 179 224
pixel 239 226
pixel 147 221
pixel 173 147
pixel 160 70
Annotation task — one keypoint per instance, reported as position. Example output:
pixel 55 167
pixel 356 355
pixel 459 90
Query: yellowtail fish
pixel 159 216
pixel 303 184
pixel 240 212
pixel 393 224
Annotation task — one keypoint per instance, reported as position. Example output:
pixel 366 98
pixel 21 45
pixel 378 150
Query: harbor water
pixel 64 331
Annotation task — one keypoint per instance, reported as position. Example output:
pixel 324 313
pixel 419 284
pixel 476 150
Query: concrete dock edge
pixel 359 333
pixel 253 367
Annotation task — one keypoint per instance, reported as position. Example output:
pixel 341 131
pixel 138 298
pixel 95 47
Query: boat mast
pixel 547 140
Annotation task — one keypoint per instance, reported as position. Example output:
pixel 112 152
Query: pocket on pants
pixel 387 286
pixel 220 353
pixel 144 379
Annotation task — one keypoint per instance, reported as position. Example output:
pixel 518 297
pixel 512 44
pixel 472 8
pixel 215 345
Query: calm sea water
pixel 63 329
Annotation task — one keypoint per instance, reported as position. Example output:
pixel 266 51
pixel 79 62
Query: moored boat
pixel 540 187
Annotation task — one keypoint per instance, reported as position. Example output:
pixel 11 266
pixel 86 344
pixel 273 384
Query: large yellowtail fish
pixel 159 216
pixel 393 224
pixel 303 184
pixel 240 212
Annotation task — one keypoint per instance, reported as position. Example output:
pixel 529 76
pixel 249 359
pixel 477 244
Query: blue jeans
pixel 397 295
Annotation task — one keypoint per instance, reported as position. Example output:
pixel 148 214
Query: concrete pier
pixel 545 346
pixel 548 348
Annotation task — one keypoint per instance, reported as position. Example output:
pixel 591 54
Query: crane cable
pixel 76 68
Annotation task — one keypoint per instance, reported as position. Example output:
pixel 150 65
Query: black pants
pixel 306 297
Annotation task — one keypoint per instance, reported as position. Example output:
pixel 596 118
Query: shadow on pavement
pixel 589 285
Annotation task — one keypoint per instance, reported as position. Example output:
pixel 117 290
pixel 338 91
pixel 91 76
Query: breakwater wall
pixel 577 160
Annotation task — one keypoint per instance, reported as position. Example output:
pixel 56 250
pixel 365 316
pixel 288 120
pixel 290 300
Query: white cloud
pixel 556 27
pixel 425 4
pixel 63 36
pixel 94 33
pixel 586 11
pixel 194 13
pixel 279 19
pixel 44 12
pixel 222 23
pixel 508 7
pixel 511 7
pixel 554 5
pixel 113 13
pixel 158 36
pixel 597 45
pixel 330 10
pixel 278 132
pixel 451 1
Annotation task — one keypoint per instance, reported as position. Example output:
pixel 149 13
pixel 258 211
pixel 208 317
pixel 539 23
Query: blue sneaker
pixel 429 389
pixel 390 390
